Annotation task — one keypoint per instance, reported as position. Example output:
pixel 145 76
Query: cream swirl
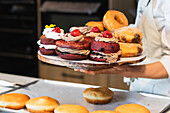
pixel 110 58
pixel 83 30
pixel 46 46
pixel 109 40
pixel 54 35
pixel 74 51
pixel 92 34
pixel 69 37
pixel 47 30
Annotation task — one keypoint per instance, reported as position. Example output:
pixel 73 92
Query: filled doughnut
pixel 72 46
pixel 130 49
pixel 13 100
pixel 114 19
pixel 42 104
pixel 98 24
pixel 131 108
pixel 100 95
pixel 128 35
pixel 70 108
pixel 105 48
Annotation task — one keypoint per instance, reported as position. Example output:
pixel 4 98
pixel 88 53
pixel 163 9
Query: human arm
pixel 154 70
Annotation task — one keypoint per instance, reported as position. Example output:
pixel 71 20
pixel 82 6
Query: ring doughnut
pixel 114 19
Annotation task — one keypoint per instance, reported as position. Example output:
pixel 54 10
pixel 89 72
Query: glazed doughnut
pixel 131 108
pixel 114 19
pixel 130 49
pixel 128 35
pixel 100 95
pixel 98 24
pixel 13 100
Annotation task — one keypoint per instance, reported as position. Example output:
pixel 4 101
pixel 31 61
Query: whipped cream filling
pixel 47 30
pixel 46 46
pixel 54 35
pixel 69 37
pixel 83 30
pixel 111 57
pixel 103 39
pixel 74 51
pixel 92 34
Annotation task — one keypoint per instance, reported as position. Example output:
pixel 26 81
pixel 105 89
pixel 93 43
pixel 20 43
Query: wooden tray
pixel 87 64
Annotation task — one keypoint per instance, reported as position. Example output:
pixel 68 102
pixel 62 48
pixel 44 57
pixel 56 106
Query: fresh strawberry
pixel 57 30
pixel 107 34
pixel 76 32
pixel 95 30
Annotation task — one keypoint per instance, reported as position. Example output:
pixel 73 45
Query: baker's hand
pixel 121 70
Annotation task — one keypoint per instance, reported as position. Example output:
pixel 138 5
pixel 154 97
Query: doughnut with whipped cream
pixel 105 48
pixel 47 41
pixel 72 46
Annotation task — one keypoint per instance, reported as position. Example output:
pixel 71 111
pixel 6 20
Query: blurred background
pixel 22 23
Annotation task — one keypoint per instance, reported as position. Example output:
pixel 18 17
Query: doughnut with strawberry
pixel 105 48
pixel 92 34
pixel 72 46
pixel 47 41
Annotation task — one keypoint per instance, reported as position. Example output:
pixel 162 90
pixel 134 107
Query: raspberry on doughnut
pixel 48 39
pixel 114 19
pixel 92 34
pixel 105 48
pixel 73 46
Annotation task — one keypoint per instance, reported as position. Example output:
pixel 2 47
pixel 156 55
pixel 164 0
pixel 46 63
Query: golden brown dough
pixel 13 100
pixel 104 111
pixel 130 49
pixel 114 19
pixel 69 108
pixel 99 24
pixel 131 108
pixel 128 34
pixel 42 104
pixel 101 95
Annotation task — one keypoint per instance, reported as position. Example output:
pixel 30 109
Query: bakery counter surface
pixel 72 93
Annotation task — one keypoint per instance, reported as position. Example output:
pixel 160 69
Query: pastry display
pixel 104 111
pixel 47 41
pixel 42 104
pixel 114 19
pixel 69 108
pixel 98 24
pixel 96 45
pixel 105 48
pixel 73 46
pixel 100 95
pixel 131 108
pixel 13 100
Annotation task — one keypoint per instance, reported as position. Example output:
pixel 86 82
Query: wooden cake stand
pixel 87 64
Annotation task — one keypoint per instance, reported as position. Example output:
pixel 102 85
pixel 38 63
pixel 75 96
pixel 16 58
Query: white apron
pixel 152 49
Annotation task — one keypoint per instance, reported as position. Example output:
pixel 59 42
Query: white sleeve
pixel 165 36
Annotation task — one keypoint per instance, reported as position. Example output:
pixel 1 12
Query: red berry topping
pixel 57 30
pixel 95 30
pixel 76 32
pixel 107 34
